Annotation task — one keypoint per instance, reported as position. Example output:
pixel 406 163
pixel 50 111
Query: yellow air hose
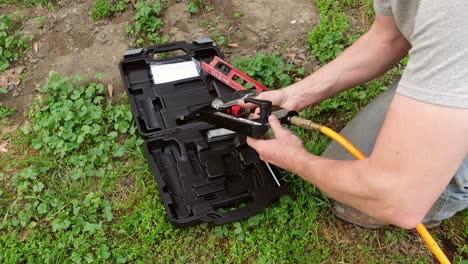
pixel 309 125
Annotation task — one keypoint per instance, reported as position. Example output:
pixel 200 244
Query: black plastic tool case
pixel 199 181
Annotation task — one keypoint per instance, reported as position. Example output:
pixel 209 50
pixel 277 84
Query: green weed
pixel 194 6
pixel 55 209
pixel 211 24
pixel 219 38
pixel 72 124
pixel 347 104
pixel 327 39
pixel 12 44
pixel 96 201
pixel 243 37
pixel 31 3
pixel 147 22
pixel 215 21
pixel 101 9
pixel 5 112
pixel 333 34
pixel 238 14
pixel 107 8
pixel 120 6
pixel 51 212
pixel 268 69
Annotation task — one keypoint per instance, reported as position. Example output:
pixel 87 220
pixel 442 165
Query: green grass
pixel 333 33
pixel 107 8
pixel 76 188
pixel 60 202
pixel 57 197
pixel 52 215
pixel 30 3
pixel 326 41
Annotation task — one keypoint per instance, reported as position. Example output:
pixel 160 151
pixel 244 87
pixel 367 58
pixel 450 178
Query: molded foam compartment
pixel 214 174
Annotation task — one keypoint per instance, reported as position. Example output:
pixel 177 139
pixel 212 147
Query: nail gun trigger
pixel 236 111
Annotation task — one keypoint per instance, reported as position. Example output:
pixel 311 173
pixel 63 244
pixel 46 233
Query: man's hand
pixel 285 150
pixel 282 98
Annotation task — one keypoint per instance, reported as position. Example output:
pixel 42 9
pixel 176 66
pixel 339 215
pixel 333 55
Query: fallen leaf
pixel 233 45
pixel 11 77
pixel 24 236
pixel 3 147
pixel 36 46
pixel 110 90
pixel 132 1
pixel 291 56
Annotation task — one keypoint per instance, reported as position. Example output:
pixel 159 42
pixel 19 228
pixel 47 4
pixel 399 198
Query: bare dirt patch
pixel 255 26
pixel 67 40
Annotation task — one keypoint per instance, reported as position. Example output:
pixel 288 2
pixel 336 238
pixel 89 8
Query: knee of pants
pixel 454 198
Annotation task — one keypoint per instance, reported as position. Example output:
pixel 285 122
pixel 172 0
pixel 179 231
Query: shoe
pixel 432 224
pixel 353 216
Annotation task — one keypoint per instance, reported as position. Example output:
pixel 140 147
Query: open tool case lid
pixel 203 174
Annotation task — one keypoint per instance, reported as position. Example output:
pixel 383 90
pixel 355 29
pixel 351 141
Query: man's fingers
pixel 252 142
pixel 243 104
pixel 261 96
pixel 277 128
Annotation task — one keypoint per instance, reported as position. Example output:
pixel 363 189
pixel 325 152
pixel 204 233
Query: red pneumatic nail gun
pixel 228 113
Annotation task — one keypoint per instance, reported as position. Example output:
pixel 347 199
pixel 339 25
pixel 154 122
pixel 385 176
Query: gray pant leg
pixel 363 130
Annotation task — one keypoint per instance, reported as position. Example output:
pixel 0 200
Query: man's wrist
pixel 301 162
pixel 311 90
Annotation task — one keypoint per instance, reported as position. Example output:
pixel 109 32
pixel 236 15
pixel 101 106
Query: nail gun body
pixel 232 116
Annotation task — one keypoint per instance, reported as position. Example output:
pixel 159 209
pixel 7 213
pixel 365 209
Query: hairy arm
pixel 370 56
pixel 419 149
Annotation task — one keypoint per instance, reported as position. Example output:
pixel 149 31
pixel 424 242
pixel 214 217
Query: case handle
pixel 239 214
pixel 170 47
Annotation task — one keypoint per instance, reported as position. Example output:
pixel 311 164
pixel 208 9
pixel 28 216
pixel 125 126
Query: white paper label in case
pixel 164 73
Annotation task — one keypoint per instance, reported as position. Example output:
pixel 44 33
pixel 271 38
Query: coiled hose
pixel 309 125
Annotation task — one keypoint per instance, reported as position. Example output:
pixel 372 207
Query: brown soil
pixel 71 43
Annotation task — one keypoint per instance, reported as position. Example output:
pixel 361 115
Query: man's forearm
pixel 348 181
pixel 370 56
pixel 408 168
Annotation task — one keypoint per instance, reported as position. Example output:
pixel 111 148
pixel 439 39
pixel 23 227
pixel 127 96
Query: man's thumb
pixel 276 127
